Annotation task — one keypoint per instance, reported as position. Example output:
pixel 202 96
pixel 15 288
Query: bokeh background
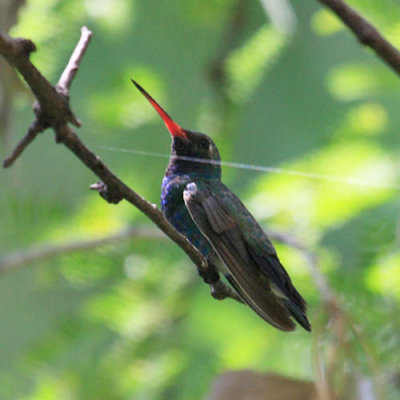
pixel 289 89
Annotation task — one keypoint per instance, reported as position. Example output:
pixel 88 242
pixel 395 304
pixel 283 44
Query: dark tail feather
pixel 258 299
pixel 299 315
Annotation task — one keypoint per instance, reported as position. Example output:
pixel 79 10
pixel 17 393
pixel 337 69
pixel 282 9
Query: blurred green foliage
pixel 132 320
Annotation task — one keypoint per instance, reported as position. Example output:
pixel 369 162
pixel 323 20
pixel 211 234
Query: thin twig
pixel 366 33
pixel 74 62
pixel 33 131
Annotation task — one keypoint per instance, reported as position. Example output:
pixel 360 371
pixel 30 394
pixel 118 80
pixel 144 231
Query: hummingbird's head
pixel 186 144
pixel 195 145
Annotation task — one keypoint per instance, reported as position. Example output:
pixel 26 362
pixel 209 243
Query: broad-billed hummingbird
pixel 202 208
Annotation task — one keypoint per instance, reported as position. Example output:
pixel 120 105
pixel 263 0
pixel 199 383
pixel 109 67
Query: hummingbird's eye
pixel 204 144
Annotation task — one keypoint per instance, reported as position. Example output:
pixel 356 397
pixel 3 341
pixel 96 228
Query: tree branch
pixel 9 10
pixel 52 107
pixel 34 254
pixel 230 35
pixel 53 110
pixel 366 33
pixel 281 15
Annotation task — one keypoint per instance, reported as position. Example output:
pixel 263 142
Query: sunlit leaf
pixel 246 65
pixel 351 81
pixel 384 277
pixel 368 119
pixel 325 23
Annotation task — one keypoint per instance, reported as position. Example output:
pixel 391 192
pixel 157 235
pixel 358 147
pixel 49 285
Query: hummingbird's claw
pixel 220 291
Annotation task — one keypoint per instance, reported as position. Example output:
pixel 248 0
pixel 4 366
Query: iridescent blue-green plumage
pixel 202 208
pixel 183 168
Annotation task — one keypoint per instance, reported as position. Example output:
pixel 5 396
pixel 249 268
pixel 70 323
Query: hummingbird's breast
pixel 174 208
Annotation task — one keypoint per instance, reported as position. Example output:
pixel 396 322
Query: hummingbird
pixel 217 223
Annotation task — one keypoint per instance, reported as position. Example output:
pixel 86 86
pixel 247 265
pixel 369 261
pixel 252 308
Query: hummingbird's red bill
pixel 174 129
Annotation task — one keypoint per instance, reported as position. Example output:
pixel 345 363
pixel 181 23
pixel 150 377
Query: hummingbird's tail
pixel 263 303
pixel 299 315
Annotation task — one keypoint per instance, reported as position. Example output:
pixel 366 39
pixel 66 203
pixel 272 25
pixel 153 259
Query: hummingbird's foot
pixel 208 273
pixel 220 291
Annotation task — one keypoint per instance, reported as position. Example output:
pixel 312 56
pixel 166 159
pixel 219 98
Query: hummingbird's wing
pixel 253 267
